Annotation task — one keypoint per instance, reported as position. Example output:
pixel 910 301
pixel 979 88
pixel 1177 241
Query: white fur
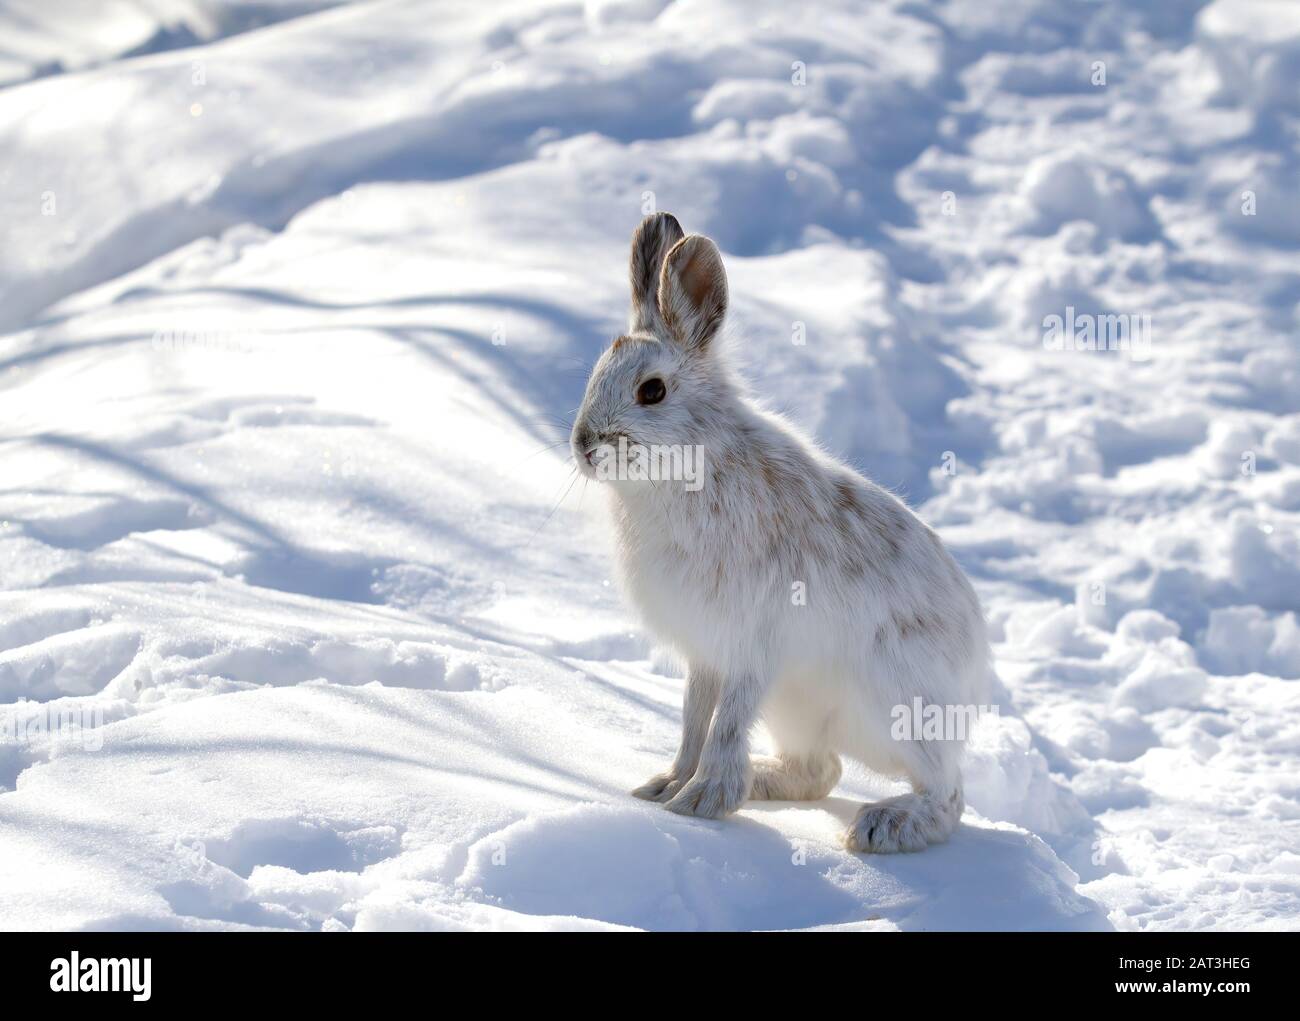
pixel 889 616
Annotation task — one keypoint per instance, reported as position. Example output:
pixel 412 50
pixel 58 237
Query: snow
pixel 301 624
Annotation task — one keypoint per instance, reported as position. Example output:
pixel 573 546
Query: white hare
pixel 797 591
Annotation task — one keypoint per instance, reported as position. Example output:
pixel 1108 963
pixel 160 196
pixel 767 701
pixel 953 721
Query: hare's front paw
pixel 711 797
pixel 660 787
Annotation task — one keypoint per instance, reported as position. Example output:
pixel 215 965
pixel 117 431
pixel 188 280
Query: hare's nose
pixel 589 454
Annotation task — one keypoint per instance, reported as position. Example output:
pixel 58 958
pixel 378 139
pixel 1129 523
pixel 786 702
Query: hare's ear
pixel 650 243
pixel 693 292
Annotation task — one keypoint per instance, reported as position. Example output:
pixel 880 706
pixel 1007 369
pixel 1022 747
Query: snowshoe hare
pixel 797 591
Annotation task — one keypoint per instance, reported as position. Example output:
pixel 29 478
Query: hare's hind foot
pixel 794 778
pixel 910 822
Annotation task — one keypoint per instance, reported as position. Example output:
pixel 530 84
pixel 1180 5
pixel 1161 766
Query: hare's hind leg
pixel 804 767
pixel 911 822
pixel 792 777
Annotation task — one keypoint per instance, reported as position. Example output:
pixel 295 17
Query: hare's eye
pixel 652 391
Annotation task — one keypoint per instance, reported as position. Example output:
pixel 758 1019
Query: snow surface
pixel 293 315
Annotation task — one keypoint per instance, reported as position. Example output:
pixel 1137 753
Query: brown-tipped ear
pixel 651 242
pixel 693 292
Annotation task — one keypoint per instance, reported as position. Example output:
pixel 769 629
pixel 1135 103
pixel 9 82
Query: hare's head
pixel 661 383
